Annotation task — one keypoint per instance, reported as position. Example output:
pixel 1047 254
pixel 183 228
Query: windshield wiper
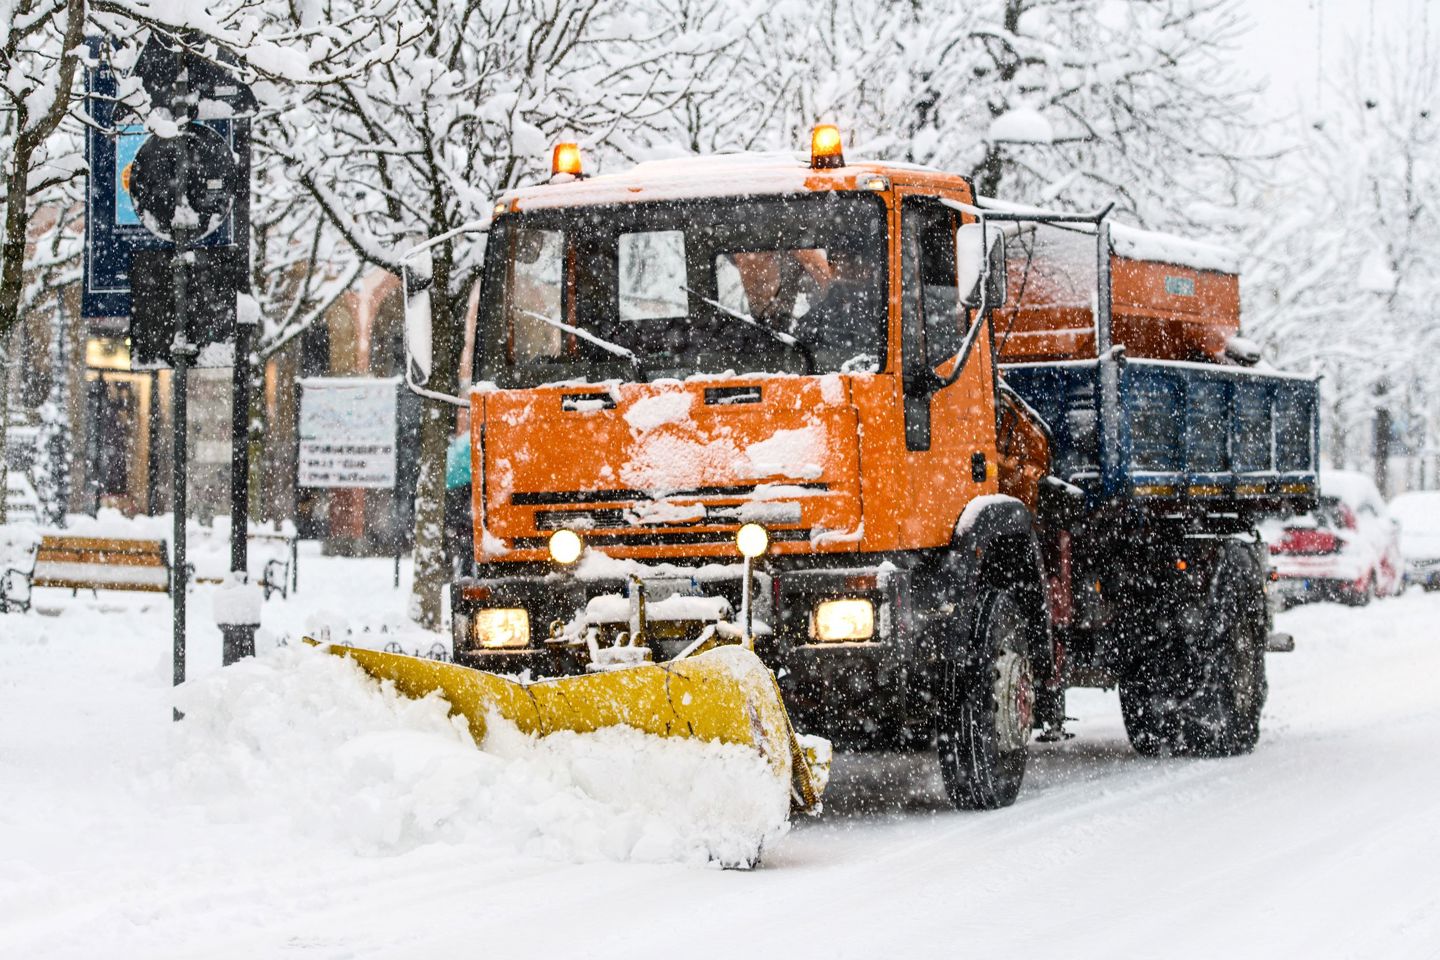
pixel 784 339
pixel 589 337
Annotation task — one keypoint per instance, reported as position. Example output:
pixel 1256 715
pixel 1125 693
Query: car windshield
pixel 787 284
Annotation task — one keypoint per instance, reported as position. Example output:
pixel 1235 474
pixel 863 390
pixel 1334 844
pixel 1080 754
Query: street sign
pixel 160 64
pixel 347 432
pixel 212 275
pixel 203 201
pixel 113 229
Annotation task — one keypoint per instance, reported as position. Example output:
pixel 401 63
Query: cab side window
pixel 932 296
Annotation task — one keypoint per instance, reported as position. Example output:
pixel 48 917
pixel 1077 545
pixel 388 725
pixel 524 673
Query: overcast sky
pixel 1293 41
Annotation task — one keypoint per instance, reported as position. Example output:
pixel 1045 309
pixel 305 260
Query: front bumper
pixel 855 693
pixel 1333 567
pixel 1423 570
pixel 1291 590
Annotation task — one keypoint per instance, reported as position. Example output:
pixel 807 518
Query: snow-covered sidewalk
pixel 314 817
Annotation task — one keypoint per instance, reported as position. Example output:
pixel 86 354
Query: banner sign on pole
pixel 348 432
pixel 114 231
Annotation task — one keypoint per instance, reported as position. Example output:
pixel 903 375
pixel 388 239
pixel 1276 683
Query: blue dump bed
pixel 1193 436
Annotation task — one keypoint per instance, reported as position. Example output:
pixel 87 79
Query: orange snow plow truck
pixel 902 462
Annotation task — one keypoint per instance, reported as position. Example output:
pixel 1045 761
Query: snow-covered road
pixel 1325 843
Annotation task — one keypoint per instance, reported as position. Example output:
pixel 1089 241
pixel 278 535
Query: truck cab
pixel 667 354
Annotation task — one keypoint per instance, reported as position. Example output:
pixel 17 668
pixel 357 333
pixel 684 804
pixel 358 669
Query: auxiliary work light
pixel 565 546
pixel 566 159
pixel 752 540
pixel 826 150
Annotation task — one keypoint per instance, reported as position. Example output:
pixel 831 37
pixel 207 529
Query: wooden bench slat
pixel 92 585
pixel 101 558
pixel 106 544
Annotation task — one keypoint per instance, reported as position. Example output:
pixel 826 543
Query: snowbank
pixel 308 739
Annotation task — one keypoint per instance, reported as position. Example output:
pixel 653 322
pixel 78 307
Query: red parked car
pixel 1347 550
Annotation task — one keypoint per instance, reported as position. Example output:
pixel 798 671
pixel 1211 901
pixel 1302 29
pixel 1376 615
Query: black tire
pixel 1148 717
pixel 1220 714
pixel 1361 597
pixel 982 748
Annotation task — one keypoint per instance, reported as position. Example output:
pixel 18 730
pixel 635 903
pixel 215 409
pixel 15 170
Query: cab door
pixel 949 429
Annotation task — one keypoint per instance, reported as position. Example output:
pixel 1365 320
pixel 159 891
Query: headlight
pixel 500 629
pixel 565 546
pixel 845 620
pixel 752 540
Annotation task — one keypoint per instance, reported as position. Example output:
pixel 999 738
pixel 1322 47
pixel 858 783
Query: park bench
pixel 88 563
pixel 279 575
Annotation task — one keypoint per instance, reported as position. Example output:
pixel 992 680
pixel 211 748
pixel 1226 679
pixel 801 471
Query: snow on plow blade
pixel 726 694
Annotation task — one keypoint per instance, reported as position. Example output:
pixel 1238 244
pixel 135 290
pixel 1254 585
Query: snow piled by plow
pixel 310 741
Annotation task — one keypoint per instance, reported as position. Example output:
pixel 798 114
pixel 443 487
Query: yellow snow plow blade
pixel 724 694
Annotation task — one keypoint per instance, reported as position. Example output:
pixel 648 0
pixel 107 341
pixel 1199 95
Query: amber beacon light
pixel 566 159
pixel 826 151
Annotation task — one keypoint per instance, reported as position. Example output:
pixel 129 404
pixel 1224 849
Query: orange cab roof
pixel 716 175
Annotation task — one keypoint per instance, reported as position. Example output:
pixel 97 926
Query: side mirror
pixel 416 279
pixel 996 279
pixel 975 266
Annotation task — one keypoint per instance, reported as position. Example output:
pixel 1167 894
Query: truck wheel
pixel 987 708
pixel 1221 715
pixel 1148 718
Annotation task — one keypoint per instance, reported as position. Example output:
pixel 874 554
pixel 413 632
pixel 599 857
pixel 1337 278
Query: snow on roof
pixel 1419 509
pixel 1137 244
pixel 1140 244
pixel 1350 486
pixel 726 174
pixel 711 175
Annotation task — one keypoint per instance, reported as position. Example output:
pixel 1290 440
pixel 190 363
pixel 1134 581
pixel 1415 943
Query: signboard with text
pixel 348 432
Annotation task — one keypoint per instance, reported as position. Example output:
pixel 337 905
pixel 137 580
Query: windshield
pixel 789 284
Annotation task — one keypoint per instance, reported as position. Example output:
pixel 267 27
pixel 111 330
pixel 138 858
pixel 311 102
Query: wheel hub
pixel 1014 701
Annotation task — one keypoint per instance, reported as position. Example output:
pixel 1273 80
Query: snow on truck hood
pixel 672 458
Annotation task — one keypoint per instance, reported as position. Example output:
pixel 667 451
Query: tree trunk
pixel 437 425
pixel 263 495
pixel 30 133
pixel 4 417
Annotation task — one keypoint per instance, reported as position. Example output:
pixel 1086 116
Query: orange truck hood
pixel 669 469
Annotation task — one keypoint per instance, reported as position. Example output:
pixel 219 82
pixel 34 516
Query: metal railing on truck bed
pixel 1201 436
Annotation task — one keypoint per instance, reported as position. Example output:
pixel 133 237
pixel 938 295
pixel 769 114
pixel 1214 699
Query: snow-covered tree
pixel 41 152
pixel 1071 102
pixel 470 109
pixel 1345 250
pixel 38 39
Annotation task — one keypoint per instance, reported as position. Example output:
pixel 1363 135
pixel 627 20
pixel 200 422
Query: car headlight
pixel 845 620
pixel 504 629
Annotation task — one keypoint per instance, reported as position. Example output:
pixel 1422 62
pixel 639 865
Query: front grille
pixel 652 538
pixel 550 498
pixel 580 519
